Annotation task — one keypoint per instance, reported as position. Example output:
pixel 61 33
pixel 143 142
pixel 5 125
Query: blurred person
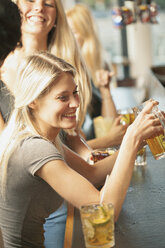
pixel 84 28
pixel 10 34
pixel 34 163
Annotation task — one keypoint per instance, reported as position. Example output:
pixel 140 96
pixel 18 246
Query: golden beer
pixel 157 146
pixel 141 157
pixel 128 118
pixel 98 225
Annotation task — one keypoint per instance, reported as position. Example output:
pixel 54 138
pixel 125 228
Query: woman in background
pixel 83 26
pixel 35 165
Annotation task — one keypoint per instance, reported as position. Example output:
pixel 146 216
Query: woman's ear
pixel 33 105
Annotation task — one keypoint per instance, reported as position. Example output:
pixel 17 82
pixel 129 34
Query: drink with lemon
pixel 98 225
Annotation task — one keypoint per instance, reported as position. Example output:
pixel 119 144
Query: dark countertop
pixel 141 223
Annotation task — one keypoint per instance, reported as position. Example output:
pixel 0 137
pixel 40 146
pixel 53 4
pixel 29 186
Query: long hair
pixel 84 24
pixel 35 77
pixel 61 42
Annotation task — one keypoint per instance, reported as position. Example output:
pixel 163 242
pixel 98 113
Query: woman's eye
pixel 50 4
pixel 75 92
pixel 63 98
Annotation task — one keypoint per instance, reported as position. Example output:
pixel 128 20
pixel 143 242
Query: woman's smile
pixel 35 19
pixel 57 108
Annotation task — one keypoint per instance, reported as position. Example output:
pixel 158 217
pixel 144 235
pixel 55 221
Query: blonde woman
pixel 45 28
pixel 34 164
pixel 83 26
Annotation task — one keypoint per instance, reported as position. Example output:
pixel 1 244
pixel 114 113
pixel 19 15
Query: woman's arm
pixel 79 191
pixel 95 174
pixel 108 108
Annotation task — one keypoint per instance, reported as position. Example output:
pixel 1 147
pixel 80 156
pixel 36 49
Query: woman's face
pixel 39 16
pixel 77 35
pixel 57 109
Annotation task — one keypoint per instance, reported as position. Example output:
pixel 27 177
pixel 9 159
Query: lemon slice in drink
pixel 101 221
pixel 89 229
pixel 103 217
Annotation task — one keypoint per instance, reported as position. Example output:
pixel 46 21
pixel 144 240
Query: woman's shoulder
pixel 9 67
pixel 36 140
pixel 38 145
pixel 12 57
pixel 35 151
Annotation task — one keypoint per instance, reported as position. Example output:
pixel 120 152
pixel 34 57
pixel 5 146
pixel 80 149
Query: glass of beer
pixel 98 225
pixel 141 157
pixel 156 144
pixel 128 116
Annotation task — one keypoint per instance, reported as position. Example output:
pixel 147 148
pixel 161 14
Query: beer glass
pixel 156 144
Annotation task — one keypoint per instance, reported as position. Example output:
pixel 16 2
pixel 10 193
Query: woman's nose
pixel 75 101
pixel 38 5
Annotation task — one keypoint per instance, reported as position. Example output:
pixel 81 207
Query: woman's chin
pixel 71 126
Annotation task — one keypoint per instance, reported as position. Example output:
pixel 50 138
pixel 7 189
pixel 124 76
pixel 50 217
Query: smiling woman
pixel 62 102
pixel 45 28
pixel 46 99
pixel 34 164
pixel 38 17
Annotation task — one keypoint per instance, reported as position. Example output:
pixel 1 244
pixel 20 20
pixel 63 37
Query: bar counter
pixel 141 223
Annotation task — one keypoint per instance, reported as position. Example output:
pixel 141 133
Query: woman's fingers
pixel 148 105
pixel 103 77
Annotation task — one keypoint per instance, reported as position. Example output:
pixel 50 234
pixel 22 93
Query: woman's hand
pixel 103 78
pixel 117 131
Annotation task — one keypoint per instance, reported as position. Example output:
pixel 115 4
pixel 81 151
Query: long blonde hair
pixel 61 42
pixel 84 24
pixel 35 76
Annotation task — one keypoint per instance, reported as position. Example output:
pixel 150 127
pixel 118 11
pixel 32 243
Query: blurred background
pixel 132 33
